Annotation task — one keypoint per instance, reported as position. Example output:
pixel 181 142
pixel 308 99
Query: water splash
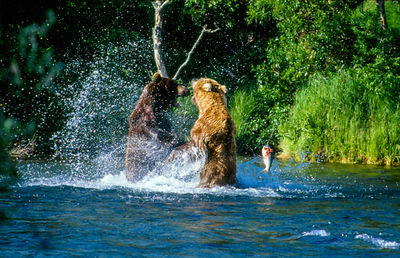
pixel 102 99
pixel 378 241
pixel 107 172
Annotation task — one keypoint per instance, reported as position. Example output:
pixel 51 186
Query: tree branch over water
pixel 193 48
pixel 157 41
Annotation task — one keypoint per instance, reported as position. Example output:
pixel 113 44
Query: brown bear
pixel 212 134
pixel 150 132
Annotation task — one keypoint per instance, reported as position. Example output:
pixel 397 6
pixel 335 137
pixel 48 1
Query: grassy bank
pixel 342 119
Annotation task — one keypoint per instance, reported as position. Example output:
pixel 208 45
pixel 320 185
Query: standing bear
pixel 212 134
pixel 150 132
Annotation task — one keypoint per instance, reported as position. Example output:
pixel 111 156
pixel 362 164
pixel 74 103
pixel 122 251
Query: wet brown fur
pixel 148 124
pixel 213 133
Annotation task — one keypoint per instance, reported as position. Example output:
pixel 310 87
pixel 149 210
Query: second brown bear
pixel 212 134
pixel 150 132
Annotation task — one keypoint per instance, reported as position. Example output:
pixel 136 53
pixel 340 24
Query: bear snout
pixel 182 91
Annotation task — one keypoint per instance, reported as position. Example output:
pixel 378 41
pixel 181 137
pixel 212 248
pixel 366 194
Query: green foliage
pixel 340 119
pixel 392 15
pixel 256 120
pixel 317 37
pixel 375 49
pixel 214 12
pixel 242 107
pixel 228 54
pixel 27 90
pixel 312 37
pixel 259 11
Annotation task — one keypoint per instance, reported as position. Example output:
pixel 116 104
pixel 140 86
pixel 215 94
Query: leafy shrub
pixel 256 120
pixel 340 119
pixel 28 93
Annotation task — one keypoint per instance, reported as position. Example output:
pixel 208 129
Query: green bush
pixel 28 93
pixel 256 120
pixel 309 38
pixel 242 106
pixel 341 119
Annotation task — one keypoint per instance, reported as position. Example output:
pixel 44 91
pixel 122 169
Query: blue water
pixel 89 209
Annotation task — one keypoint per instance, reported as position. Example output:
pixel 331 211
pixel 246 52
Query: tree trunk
pixel 382 13
pixel 157 40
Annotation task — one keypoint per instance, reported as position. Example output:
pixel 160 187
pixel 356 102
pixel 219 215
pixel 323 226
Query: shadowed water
pixel 297 210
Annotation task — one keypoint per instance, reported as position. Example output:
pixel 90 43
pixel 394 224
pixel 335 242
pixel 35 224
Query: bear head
pixel 208 91
pixel 165 91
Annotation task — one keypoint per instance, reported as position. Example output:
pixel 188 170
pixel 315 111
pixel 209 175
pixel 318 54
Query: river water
pixel 89 209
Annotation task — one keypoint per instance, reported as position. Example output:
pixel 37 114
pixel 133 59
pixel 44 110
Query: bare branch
pixel 164 4
pixel 157 40
pixel 193 48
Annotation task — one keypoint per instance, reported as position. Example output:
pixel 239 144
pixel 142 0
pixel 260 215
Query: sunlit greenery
pixel 340 119
pixel 320 37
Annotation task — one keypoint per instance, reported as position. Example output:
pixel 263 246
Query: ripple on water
pixel 378 241
pixel 291 208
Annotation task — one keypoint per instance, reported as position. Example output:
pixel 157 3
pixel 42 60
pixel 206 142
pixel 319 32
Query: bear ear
pixel 207 87
pixel 157 77
pixel 223 88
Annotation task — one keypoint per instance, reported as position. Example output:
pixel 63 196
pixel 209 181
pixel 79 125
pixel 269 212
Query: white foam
pixel 115 180
pixel 378 241
pixel 106 172
pixel 171 184
pixel 164 183
pixel 317 232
